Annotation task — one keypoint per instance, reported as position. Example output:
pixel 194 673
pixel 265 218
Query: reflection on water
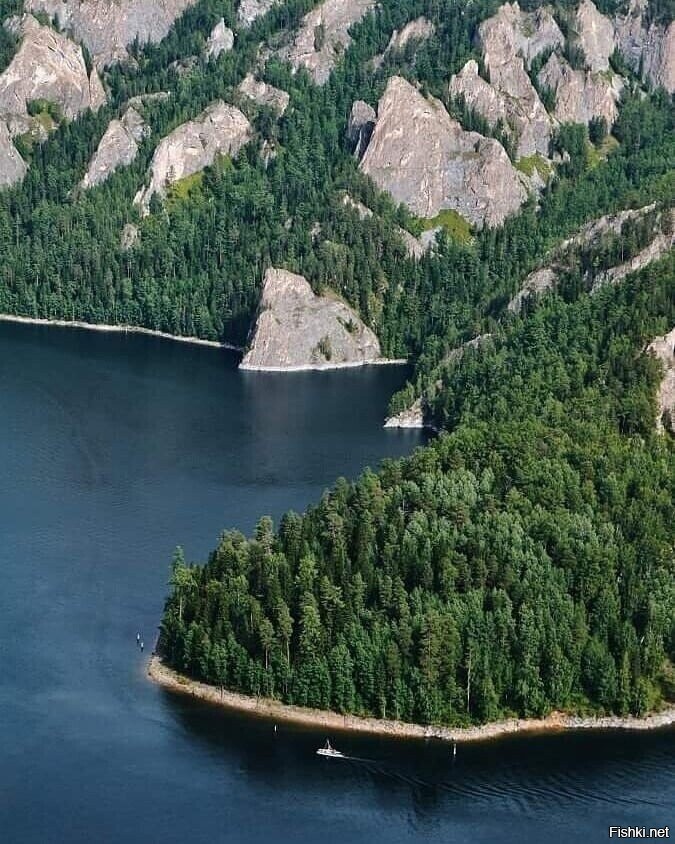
pixel 114 449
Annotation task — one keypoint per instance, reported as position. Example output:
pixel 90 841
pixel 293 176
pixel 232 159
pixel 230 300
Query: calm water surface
pixel 114 449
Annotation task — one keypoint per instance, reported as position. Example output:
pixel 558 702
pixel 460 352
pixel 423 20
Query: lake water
pixel 113 449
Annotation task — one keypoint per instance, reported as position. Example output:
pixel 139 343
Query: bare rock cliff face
pixel 48 66
pixel 264 94
pixel 663 348
pixel 296 329
pixel 424 158
pixel 360 126
pixel 581 95
pixel 651 47
pixel 324 36
pixel 118 147
pixel 418 30
pixel 595 35
pixel 107 27
pixel 221 40
pixel 411 417
pixel 512 32
pixel 12 166
pixel 220 129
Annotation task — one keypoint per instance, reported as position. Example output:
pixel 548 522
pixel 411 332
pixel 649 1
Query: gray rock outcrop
pixel 663 348
pixel 107 28
pixel 47 66
pixel 12 166
pixel 512 32
pixel 360 126
pixel 296 329
pixel 220 129
pixel 423 158
pixel 595 35
pixel 118 148
pixel 249 10
pixel 324 35
pixel 410 417
pixel 129 236
pixel 647 47
pixel 418 30
pixel 509 97
pixel 536 283
pixel 220 40
pixel 654 250
pixel 581 95
pixel 264 94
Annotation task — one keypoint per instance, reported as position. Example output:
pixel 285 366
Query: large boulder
pixel 220 129
pixel 595 35
pixel 264 94
pixel 424 158
pixel 647 47
pixel 581 95
pixel 324 35
pixel 117 148
pixel 296 329
pixel 107 28
pixel 12 166
pixel 47 66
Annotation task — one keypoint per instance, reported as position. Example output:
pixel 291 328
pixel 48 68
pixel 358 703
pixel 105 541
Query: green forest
pixel 520 563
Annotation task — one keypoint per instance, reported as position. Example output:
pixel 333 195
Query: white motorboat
pixel 328 750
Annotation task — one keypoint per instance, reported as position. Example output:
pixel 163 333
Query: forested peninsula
pixel 521 563
pixel 483 189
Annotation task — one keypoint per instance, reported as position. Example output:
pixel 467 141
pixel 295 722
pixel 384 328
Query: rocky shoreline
pixel 265 708
pixel 320 367
pixel 118 329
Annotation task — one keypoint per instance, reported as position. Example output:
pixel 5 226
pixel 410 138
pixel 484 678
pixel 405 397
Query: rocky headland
pixel 297 329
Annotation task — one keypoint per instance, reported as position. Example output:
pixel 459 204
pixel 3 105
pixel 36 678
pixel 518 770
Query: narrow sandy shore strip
pixel 320 367
pixel 272 709
pixel 118 329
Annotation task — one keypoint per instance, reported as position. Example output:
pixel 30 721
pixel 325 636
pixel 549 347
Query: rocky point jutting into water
pixel 118 147
pixel 324 35
pixel 107 28
pixel 424 158
pixel 221 129
pixel 296 329
pixel 47 66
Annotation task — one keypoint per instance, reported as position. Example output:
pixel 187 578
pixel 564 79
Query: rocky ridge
pixel 646 47
pixel 296 329
pixel 220 129
pixel 566 255
pixel 47 66
pixel 663 348
pixel 424 158
pixel 107 28
pixel 250 10
pixel 581 95
pixel 324 35
pixel 117 148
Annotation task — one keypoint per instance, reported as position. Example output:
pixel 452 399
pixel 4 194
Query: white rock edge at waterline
pixel 318 367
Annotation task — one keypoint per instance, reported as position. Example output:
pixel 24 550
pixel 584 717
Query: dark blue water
pixel 114 449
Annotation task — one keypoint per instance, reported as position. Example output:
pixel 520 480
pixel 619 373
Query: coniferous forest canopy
pixel 521 562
